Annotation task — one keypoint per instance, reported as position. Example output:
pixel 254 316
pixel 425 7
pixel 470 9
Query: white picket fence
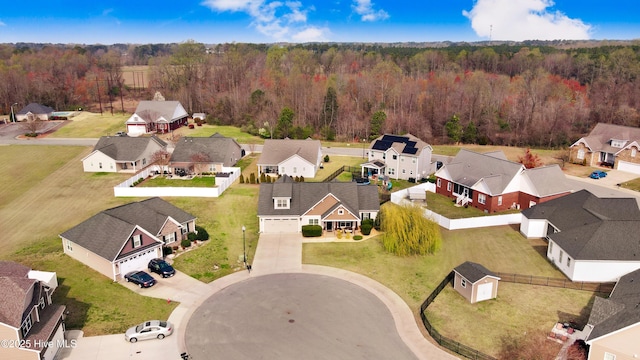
pixel 125 188
pixel 401 197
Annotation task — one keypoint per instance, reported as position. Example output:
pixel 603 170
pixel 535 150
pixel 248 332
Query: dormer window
pixel 617 143
pixel 136 241
pixel 281 203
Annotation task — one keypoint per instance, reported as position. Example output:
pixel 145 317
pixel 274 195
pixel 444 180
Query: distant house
pixel 34 111
pixel 615 321
pixel 285 206
pixel 290 157
pixel 153 116
pixel 122 154
pixel 589 238
pixel 205 154
pixel 124 238
pixel 492 183
pixel 475 282
pixel 31 325
pixel 609 145
pixel 398 157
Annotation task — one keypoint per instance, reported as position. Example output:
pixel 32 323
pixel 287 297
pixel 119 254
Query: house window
pixel 439 183
pixel 282 204
pixel 282 170
pixel 384 156
pixel 633 152
pixel 617 143
pixel 26 325
pixel 550 247
pixel 69 245
pixel 463 283
pixel 41 303
pixel 482 198
pixel 169 238
pixel 313 222
pixel 499 200
pixel 100 165
pixel 568 261
pixel 136 240
pixel 532 203
pixel 560 256
pixel 366 216
pixel 413 161
pixel 395 157
pixel 391 171
pixel 144 161
pixel 609 356
pixel 295 169
pixel 403 171
pixel 340 212
pixel 580 154
pixel 448 186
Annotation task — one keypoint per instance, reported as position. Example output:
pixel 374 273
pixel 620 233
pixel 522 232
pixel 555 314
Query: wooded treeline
pixel 537 95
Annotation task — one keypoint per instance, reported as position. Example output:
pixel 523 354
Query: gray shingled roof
pixel 407 145
pixel 218 148
pixel 473 272
pixel 125 148
pixel 592 228
pixel 35 108
pixel 13 298
pixel 275 151
pixel 599 139
pixel 620 310
pixel 151 110
pixel 468 167
pixel 106 232
pixel 547 180
pixel 304 195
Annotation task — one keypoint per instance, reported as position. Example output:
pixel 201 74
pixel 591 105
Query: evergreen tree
pixel 454 129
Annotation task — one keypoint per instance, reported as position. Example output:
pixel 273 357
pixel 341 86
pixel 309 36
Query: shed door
pixel 484 291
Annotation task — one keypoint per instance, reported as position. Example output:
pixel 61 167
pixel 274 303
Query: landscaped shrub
pixel 339 234
pixel 357 237
pixel 167 250
pixel 262 177
pixel 201 233
pixel 301 178
pixel 326 158
pixel 365 228
pixel 241 179
pixel 311 230
pixel 252 178
pixel 191 236
pixel 185 243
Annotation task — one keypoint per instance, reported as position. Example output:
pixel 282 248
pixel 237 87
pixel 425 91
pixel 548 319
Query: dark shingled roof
pixel 600 137
pixel 276 151
pixel 620 310
pixel 408 144
pixel 125 148
pixel 219 149
pixel 35 108
pixel 13 297
pixel 473 272
pixel 106 232
pixel 304 195
pixel 592 228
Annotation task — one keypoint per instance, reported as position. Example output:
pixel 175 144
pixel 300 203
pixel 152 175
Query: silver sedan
pixel 153 329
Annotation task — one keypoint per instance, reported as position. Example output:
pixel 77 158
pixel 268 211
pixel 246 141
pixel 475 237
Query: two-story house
pixel 609 145
pixel 398 157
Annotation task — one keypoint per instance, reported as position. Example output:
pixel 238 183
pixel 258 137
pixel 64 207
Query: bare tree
pixel 161 158
pixel 200 162
pixel 32 125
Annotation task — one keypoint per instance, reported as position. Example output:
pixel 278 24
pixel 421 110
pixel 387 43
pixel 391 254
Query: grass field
pixel 92 125
pixel 197 181
pixel 415 277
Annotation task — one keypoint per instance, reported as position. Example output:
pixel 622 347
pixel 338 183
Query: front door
pixel 329 226
pixel 465 192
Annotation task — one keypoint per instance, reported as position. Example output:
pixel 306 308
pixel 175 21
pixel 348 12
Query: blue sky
pixel 268 21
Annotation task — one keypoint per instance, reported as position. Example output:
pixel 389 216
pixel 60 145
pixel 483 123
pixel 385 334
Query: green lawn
pixel 445 206
pixel 632 185
pixel 500 249
pixel 92 125
pixel 197 181
pixel 228 131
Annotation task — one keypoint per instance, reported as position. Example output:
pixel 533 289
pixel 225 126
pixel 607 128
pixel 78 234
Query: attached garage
pixel 57 342
pixel 279 225
pixel 137 262
pixel 629 167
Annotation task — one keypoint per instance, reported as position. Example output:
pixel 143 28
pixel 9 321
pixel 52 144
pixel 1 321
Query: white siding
pixel 601 271
pixel 92 163
pixel 300 165
pixel 533 228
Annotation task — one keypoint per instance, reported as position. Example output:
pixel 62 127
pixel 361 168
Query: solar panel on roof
pixel 382 145
pixel 408 150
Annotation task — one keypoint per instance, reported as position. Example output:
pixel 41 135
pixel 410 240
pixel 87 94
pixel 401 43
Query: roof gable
pixel 599 139
pixel 35 108
pixel 474 272
pixel 468 167
pixel 152 110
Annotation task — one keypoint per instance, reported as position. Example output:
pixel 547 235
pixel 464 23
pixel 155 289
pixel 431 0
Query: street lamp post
pixel 13 116
pixel 244 247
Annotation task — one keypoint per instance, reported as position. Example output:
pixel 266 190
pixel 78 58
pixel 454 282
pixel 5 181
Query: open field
pixel 92 125
pixel 136 76
pixel 501 249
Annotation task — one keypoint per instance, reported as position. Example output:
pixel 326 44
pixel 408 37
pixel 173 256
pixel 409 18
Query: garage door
pixel 629 167
pixel 57 341
pixel 139 262
pixel 484 291
pixel 272 226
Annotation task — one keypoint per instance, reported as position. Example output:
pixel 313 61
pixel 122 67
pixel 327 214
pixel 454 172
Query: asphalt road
pixel 294 316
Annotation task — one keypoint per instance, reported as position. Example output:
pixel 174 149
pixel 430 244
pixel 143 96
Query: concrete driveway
pixel 605 187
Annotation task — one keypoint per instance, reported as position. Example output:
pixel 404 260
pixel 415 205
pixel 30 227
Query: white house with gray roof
pixel 124 238
pixel 122 154
pixel 153 116
pixel 205 154
pixel 285 206
pixel 398 157
pixel 35 111
pixel 492 183
pixel 590 239
pixel 290 157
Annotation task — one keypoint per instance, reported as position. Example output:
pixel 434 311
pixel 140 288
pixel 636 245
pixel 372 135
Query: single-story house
pixel 122 154
pixel 290 157
pixel 34 111
pixel 589 238
pixel 492 183
pixel 285 206
pixel 31 325
pixel 153 116
pixel 609 145
pixel 475 282
pixel 124 238
pixel 615 321
pixel 398 157
pixel 205 154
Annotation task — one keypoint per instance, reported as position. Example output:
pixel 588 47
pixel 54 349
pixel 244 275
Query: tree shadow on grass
pixel 76 312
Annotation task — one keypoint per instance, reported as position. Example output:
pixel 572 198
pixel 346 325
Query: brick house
pixel 609 145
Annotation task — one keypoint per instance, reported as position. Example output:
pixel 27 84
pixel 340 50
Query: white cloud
pixel 311 34
pixel 524 20
pixel 364 8
pixel 281 21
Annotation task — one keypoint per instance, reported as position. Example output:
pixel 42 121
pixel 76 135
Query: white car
pixel 153 329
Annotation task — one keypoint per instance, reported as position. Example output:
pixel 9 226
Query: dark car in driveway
pixel 161 268
pixel 140 278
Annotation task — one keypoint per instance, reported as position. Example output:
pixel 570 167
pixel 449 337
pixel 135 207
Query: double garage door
pixel 140 262
pixel 629 167
pixel 272 226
